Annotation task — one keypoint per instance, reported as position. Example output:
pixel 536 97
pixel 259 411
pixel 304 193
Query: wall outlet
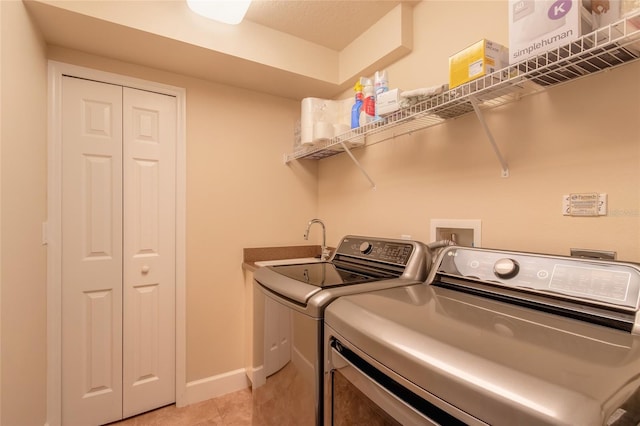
pixel 464 232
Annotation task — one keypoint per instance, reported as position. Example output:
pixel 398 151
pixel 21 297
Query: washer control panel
pixel 609 282
pixel 390 251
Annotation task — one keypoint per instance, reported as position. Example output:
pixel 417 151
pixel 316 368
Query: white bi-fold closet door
pixel 118 251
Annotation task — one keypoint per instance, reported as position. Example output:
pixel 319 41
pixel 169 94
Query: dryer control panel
pixel 588 280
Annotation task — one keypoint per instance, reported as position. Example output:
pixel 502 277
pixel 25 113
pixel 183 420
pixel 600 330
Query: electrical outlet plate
pixel 469 229
pixel 584 204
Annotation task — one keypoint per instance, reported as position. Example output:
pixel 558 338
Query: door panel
pixel 149 250
pixel 98 333
pixel 98 197
pixel 92 252
pixel 145 196
pixel 145 364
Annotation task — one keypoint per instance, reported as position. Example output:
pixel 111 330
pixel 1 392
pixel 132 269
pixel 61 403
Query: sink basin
pixel 288 261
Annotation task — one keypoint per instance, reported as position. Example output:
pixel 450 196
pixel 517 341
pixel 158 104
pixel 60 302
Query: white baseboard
pixel 214 386
pixel 257 377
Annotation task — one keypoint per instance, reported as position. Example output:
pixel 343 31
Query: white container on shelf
pixel 323 119
pixel 536 26
pixel 388 102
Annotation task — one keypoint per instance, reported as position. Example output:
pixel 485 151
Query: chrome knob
pixel 365 248
pixel 506 268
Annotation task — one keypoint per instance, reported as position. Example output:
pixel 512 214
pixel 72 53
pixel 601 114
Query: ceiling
pixel 302 48
pixel 330 23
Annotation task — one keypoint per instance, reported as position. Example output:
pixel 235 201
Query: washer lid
pixel 323 274
pixel 287 287
pixel 300 282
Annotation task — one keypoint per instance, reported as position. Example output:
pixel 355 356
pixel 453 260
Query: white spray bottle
pixel 381 85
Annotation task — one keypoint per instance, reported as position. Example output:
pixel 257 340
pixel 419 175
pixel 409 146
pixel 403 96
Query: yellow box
pixel 477 60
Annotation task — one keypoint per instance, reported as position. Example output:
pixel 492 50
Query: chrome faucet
pixel 325 252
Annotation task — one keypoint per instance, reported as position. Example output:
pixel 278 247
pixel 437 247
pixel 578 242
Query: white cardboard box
pixel 601 13
pixel 536 26
pixel 388 102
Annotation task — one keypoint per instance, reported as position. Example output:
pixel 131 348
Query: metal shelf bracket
pixel 357 163
pixel 487 131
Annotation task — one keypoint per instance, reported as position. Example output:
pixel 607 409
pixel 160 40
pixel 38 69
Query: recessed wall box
pixel 463 232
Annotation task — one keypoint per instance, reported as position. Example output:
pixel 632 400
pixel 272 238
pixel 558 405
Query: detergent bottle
pixel 369 102
pixel 357 106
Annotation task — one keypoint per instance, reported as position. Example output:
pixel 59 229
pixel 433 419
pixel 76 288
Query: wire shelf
pixel 605 48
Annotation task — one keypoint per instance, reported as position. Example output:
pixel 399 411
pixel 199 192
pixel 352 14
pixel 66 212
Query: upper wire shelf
pixel 605 48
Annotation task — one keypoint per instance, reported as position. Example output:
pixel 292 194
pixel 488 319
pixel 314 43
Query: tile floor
pixel 233 409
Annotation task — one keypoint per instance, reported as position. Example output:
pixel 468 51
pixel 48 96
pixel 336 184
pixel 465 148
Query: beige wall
pixel 581 137
pixel 239 194
pixel 22 209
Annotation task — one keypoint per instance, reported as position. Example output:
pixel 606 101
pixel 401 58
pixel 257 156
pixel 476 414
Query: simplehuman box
pixel 477 60
pixel 536 26
pixel 388 102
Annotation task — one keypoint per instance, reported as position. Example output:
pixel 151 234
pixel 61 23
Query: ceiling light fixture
pixel 226 11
